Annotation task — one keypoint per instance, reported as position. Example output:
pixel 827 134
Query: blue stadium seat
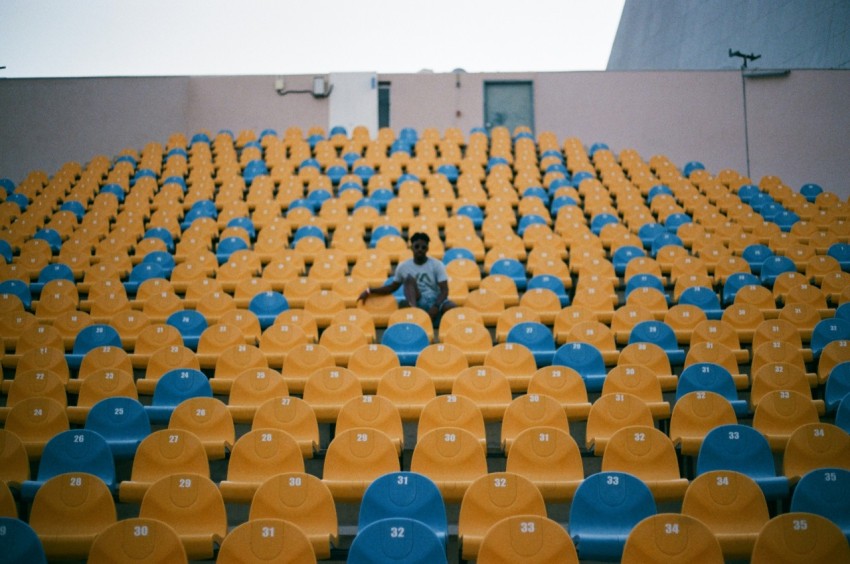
pixel 336 173
pixel 19 543
pixel 142 272
pixel 76 450
pixel 709 377
pixel 664 240
pixel 675 220
pixel 201 208
pixel 228 246
pixel 537 338
pixel 772 267
pixel 841 253
pixel 585 359
pixel 547 282
pixel 307 231
pixel 604 510
pixel 51 237
pixel 456 253
pixel 559 202
pixel 513 269
pixel 163 235
pixel 17 288
pixel 661 334
pixel 381 231
pixel 645 281
pixel 472 212
pixel 172 388
pixel 826 331
pixel 810 191
pixel 755 255
pixel 405 494
pixel 623 255
pixel 190 324
pixel 267 306
pixel 114 189
pixel 648 232
pixel 527 221
pixel 743 449
pixel 786 219
pixel 75 207
pixel 396 540
pixel 122 421
pixel 6 251
pixel 704 298
pixel 690 167
pixel 601 220
pixel 53 271
pixel 837 385
pixel 92 337
pixel 734 283
pixel 842 414
pixel 450 171
pixel 244 223
pixel 658 190
pixel 407 340
pixel 825 492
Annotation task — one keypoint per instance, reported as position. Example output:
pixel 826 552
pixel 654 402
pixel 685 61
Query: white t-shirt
pixel 427 275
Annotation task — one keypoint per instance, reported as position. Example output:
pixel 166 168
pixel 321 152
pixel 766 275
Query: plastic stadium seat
pixel 19 542
pixel 671 537
pixel 653 357
pixel 537 338
pixel 606 507
pixel 825 492
pixel 396 539
pixel 266 539
pixel 172 388
pixel 452 458
pixel 746 450
pixel 163 453
pixel 550 458
pixel 531 410
pixel 293 415
pixel 489 499
pixel 639 381
pixel 704 298
pixel 407 340
pixel 550 283
pixel 17 288
pixel 734 283
pixel 328 388
pixel 733 507
pixel 815 445
pixel 406 495
pixel 77 450
pixel 715 352
pixel 694 415
pixel 355 458
pixel 90 337
pixel 299 498
pixel 827 331
pixel 585 359
pixel 409 388
pixel 658 333
pixel 191 324
pixel 250 389
pixel 779 413
pixel 257 456
pixel 267 306
pixel 193 506
pixel 69 511
pixel 122 421
pixel 35 421
pixel 372 412
pixel 520 537
pixel 209 419
pixel 774 266
pixel 800 537
pixel 487 387
pixel 453 411
pixel 710 377
pixel 566 386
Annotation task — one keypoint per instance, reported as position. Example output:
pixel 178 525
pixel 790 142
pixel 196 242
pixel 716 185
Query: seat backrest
pixel 35 421
pixel 486 386
pixel 370 362
pixel 122 421
pixel 800 537
pixel 671 537
pixel 303 499
pixel 374 412
pixel 451 457
pixel 407 339
pixel 301 361
pixel 405 494
pixel 266 540
pixel 77 450
pixel 694 415
pixel 736 447
pixel 193 506
pixel 610 413
pixel 14 463
pixel 825 492
pixel 489 499
pixel 293 415
pixel 531 410
pixel 606 507
pixel 409 388
pixel 396 539
pixel 452 411
pixel 169 451
pixel 237 358
pixel 733 507
pixel 520 537
pixel 354 458
pixel 209 419
pixel 816 445
pixel 76 498
pixel 780 412
pixel 262 453
pixel 19 542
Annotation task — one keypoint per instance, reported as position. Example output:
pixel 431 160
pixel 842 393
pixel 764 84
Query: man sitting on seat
pixel 424 278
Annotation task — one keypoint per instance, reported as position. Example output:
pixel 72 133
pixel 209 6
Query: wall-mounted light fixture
pixel 321 87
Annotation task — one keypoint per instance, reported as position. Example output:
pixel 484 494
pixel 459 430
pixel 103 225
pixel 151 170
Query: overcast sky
pixel 64 38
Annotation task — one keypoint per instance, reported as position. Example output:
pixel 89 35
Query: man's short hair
pixel 420 236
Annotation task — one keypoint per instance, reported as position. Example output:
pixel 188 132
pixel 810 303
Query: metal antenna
pixel 745 57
